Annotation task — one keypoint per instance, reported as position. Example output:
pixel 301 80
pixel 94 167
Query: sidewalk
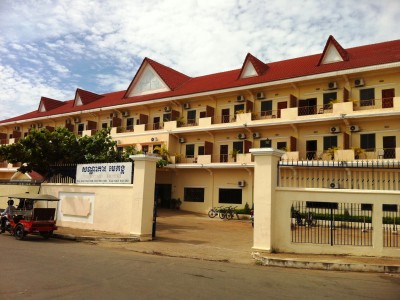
pixel 190 235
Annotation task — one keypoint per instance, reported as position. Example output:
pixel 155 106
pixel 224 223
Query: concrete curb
pixel 71 237
pixel 324 265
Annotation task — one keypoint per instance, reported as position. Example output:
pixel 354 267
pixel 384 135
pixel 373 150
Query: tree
pixel 41 149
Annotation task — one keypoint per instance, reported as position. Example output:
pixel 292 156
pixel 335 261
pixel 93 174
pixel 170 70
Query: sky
pixel 50 48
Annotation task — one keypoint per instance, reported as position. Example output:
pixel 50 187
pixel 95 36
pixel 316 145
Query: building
pixel 336 106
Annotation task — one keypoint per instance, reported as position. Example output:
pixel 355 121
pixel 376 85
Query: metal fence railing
pixel 331 223
pixel 391 225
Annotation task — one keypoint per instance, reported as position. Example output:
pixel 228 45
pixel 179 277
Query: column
pixel 265 182
pixel 144 179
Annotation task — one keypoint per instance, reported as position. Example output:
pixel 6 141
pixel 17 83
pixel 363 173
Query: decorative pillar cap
pixel 144 157
pixel 266 152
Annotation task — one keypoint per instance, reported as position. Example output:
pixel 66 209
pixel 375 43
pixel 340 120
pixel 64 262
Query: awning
pixel 35 197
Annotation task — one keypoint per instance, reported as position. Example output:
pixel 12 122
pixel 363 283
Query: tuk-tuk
pixel 32 215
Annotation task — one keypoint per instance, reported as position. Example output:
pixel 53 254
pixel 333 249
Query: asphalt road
pixel 38 269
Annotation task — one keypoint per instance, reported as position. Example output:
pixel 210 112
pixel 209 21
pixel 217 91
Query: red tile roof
pixel 49 103
pixel 182 85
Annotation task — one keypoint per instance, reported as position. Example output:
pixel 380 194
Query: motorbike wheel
pixel 19 232
pixel 222 214
pixel 212 213
pixel 46 234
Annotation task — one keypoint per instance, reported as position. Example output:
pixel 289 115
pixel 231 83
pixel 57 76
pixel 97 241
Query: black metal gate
pixel 331 223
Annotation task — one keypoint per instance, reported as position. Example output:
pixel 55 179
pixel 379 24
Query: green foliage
pixel 41 149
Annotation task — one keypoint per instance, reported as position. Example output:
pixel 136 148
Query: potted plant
pixel 234 153
pixel 331 151
pixel 357 152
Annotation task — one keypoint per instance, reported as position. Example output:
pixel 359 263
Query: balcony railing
pixel 373 104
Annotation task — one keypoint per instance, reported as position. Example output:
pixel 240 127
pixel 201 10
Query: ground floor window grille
pixel 331 223
pixel 391 225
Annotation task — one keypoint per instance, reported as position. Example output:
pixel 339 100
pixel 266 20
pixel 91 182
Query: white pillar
pixel 144 179
pixel 265 182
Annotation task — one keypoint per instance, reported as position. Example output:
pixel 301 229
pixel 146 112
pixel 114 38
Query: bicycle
pixel 308 220
pixel 213 212
pixel 230 212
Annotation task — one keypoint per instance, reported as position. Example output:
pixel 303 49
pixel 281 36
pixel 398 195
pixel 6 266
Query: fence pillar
pixel 265 182
pixel 143 200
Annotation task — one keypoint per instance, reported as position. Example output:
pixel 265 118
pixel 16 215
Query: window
pixel 239 108
pixel 233 196
pixel 267 144
pixel 129 124
pixel 104 125
pixel 266 108
pixel 81 127
pixel 328 98
pixel 200 150
pixel 281 145
pixel 330 142
pixel 367 97
pixel 367 141
pixel 145 148
pixel 238 146
pixel 191 117
pixel 156 150
pixel 189 150
pixel 194 194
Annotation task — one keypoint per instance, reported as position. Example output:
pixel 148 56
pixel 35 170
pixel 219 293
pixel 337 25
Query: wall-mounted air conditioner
pixel 68 121
pixel 241 136
pixel 354 128
pixel 241 183
pixel 332 85
pixel 33 125
pixel 334 129
pixel 359 82
pixel 39 125
pixel 240 98
pixel 260 95
pixel 186 105
pixel 154 139
pixel 256 135
pixel 17 128
pixel 167 108
pixel 334 185
pixel 182 140
pixel 125 113
pixel 113 115
pixel 77 120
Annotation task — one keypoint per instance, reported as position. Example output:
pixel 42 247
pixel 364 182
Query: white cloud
pixel 100 44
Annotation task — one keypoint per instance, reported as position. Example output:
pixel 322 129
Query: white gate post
pixel 144 179
pixel 265 182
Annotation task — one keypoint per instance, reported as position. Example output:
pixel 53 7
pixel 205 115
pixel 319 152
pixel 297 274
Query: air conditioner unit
pixel 334 185
pixel 332 85
pixel 17 128
pixel 354 128
pixel 39 125
pixel 241 136
pixel 335 129
pixel 256 135
pixel 240 98
pixel 167 108
pixel 182 140
pixel 125 113
pixel 241 183
pixel 113 115
pixel 260 95
pixel 186 105
pixel 154 139
pixel 33 125
pixel 68 121
pixel 77 120
pixel 359 82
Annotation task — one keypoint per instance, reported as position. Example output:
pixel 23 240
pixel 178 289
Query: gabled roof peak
pixel 333 52
pixel 166 78
pixel 47 104
pixel 83 97
pixel 252 66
